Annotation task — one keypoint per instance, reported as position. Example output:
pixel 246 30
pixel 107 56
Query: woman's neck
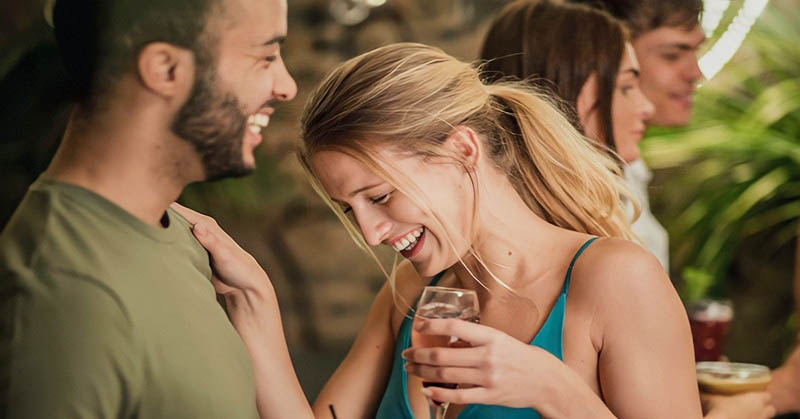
pixel 515 246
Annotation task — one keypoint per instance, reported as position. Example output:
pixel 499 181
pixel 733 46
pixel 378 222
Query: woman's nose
pixel 374 227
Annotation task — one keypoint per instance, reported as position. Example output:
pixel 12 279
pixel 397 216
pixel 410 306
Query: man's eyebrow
pixel 276 40
pixel 684 46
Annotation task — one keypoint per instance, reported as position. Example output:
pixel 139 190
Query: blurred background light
pixel 730 41
pixel 713 10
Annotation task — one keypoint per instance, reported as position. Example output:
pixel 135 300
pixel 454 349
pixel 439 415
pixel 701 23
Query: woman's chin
pixel 425 269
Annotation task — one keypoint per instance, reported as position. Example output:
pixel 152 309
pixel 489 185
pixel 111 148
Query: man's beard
pixel 214 124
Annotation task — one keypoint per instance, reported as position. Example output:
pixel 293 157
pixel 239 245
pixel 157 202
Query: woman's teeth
pixel 257 122
pixel 409 241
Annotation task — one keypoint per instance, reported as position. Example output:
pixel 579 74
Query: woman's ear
pixel 466 145
pixel 586 99
pixel 584 106
pixel 167 70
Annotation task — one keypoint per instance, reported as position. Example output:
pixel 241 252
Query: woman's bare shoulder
pixel 613 261
pixel 617 275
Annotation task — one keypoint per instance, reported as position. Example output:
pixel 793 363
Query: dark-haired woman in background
pixel 583 57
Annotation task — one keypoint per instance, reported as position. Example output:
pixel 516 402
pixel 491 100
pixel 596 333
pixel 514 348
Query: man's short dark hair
pixel 645 15
pixel 99 40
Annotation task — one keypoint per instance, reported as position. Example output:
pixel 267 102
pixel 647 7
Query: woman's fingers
pixel 200 222
pixel 472 333
pixel 192 216
pixel 766 400
pixel 207 231
pixel 234 269
pixel 443 356
pixel 470 395
pixel 221 287
pixel 446 374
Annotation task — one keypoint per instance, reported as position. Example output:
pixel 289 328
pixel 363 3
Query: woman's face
pixel 630 109
pixel 386 216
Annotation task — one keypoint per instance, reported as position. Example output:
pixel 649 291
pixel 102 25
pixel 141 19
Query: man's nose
pixel 693 72
pixel 285 88
pixel 647 107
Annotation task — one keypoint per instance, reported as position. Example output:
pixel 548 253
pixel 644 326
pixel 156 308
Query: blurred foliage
pixel 735 171
pixel 267 190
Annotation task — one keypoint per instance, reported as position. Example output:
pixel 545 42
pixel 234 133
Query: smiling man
pixel 107 301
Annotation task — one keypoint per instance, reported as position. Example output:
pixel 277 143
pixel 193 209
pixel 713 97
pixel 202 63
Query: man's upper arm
pixel 68 351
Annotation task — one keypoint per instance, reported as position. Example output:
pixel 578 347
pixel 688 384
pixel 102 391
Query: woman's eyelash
pixel 377 200
pixel 381 199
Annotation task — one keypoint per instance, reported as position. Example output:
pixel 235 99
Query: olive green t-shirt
pixel 105 316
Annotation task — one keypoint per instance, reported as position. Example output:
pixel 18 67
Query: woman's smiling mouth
pixel 409 244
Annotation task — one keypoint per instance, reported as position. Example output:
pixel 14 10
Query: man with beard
pixel 108 307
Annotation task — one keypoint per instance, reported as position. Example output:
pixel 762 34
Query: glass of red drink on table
pixel 443 303
pixel 709 320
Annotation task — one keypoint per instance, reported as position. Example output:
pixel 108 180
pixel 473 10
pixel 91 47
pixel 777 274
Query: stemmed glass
pixel 443 303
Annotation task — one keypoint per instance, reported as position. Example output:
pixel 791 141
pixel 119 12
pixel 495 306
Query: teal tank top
pixel 395 405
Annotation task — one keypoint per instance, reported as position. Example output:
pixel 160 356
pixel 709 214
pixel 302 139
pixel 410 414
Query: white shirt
pixel 652 235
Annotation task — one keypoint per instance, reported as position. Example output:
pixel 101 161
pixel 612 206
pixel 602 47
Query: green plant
pixel 735 171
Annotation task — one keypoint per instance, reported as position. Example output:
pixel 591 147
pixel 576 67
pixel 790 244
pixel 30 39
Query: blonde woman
pixel 489 188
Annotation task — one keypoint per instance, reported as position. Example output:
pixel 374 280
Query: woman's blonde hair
pixel 409 97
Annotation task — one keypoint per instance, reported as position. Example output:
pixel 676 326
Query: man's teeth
pixel 407 242
pixel 256 122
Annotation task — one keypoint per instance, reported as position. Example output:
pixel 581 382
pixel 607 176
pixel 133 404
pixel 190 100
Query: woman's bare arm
pixel 646 361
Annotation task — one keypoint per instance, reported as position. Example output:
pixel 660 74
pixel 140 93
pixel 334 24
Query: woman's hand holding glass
pixel 754 405
pixel 443 303
pixel 495 368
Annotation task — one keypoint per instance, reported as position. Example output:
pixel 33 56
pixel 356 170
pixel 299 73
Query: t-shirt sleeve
pixel 69 352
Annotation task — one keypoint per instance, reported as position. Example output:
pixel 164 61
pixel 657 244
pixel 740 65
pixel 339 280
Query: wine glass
pixel 443 303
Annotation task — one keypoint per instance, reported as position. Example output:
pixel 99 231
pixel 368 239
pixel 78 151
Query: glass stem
pixel 438 411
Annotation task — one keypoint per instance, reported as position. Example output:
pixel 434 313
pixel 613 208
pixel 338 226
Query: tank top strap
pixel 436 279
pixel 572 263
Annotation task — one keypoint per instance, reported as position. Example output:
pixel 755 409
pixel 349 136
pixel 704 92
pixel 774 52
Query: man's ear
pixel 466 144
pixel 166 70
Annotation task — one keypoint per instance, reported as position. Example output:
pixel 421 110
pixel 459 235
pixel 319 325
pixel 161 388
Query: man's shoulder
pixel 55 234
pixel 26 232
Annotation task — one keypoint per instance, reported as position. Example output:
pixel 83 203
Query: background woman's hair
pixel 557 47
pixel 409 97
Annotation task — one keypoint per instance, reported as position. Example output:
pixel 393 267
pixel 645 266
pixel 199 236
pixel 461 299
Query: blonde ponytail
pixel 558 172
